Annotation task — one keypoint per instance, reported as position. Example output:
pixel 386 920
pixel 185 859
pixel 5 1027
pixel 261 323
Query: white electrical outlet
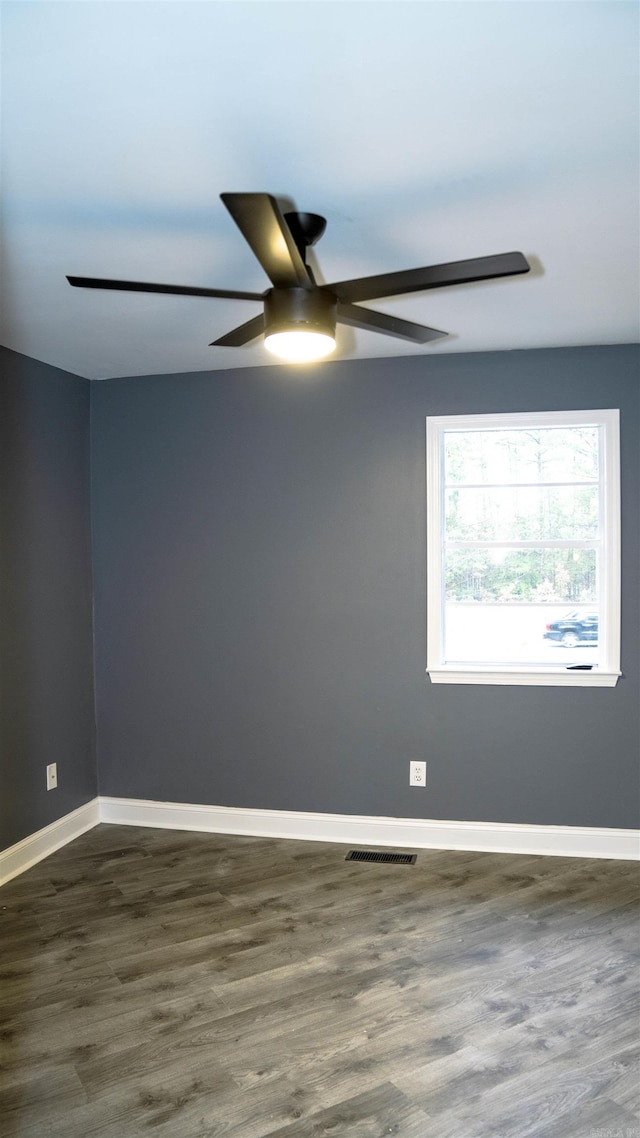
pixel 417 774
pixel 52 776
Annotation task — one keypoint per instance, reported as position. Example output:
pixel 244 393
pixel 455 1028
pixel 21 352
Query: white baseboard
pixel 16 859
pixel 353 829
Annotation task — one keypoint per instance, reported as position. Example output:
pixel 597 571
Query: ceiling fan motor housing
pixel 300 310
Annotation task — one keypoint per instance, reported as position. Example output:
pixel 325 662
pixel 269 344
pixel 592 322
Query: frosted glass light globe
pixel 299 347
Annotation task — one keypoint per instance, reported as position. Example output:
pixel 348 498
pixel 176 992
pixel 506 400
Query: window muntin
pixel 523 524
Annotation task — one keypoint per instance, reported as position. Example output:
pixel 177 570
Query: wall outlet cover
pixel 417 774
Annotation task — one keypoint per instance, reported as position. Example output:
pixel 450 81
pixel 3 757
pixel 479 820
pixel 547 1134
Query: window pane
pixel 523 513
pixel 538 634
pixel 545 454
pixel 489 575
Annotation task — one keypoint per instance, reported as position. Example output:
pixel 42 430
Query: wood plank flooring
pixel 202 986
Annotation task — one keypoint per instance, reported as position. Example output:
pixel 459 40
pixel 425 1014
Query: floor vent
pixel 381 855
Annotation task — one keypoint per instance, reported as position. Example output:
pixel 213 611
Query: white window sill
pixel 535 677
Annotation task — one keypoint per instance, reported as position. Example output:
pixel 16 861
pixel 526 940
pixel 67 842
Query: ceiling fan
pixel 299 315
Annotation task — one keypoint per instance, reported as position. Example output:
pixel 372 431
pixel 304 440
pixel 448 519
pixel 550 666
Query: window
pixel 523 548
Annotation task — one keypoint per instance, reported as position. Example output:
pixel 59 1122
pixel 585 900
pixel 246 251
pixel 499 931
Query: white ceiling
pixel 423 130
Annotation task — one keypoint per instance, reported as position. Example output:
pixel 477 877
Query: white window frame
pixel 607 672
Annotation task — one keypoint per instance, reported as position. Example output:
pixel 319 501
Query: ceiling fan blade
pixel 241 335
pixel 261 223
pixel 174 290
pixel 389 325
pixel 433 276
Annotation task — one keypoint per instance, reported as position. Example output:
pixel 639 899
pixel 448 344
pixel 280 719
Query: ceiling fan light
pixel 300 346
pixel 299 324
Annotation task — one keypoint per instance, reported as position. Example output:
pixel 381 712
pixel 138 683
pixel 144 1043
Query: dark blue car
pixel 574 628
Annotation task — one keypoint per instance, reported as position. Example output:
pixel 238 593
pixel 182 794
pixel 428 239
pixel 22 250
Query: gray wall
pixel 259 561
pixel 46 650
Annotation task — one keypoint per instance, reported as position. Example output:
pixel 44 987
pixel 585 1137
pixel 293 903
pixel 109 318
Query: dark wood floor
pixel 198 986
